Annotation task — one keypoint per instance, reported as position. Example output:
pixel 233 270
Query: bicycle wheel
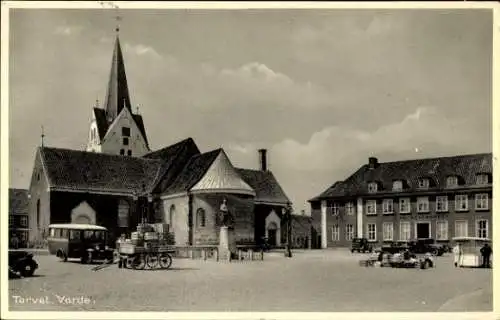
pixel 165 260
pixel 152 260
pixel 139 262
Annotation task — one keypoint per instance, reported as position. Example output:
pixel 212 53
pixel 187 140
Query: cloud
pixel 142 50
pixel 67 30
pixel 257 72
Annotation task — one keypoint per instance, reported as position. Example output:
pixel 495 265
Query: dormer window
pixel 397 185
pixel 452 181
pixel 372 187
pixel 423 183
pixel 125 132
pixel 482 179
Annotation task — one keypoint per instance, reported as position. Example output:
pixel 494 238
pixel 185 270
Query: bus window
pixel 52 232
pixel 99 235
pixel 88 234
pixel 65 233
pixel 74 234
pixel 58 233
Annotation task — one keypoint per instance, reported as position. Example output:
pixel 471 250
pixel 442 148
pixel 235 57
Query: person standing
pixel 457 252
pixel 486 252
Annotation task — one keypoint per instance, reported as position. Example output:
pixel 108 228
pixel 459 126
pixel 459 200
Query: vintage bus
pixel 79 241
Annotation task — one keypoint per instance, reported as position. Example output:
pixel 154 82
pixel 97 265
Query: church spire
pixel 117 95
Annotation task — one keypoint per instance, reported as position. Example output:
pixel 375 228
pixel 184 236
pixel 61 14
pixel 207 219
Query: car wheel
pixel 28 270
pixel 62 256
pixel 352 250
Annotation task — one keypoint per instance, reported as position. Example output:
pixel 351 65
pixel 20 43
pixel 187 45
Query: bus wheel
pixel 62 256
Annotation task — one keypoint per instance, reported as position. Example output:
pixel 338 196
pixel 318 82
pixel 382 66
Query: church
pixel 117 182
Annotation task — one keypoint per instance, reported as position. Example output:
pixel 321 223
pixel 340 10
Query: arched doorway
pixel 272 234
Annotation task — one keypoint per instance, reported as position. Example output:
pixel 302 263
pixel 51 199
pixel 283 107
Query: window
pixel 52 233
pixel 122 152
pixel 387 230
pixel 404 231
pixel 461 202
pixel 11 220
pixel 372 187
pixel 442 203
pixel 388 206
pixel 38 213
pixel 171 216
pixel 482 201
pixel 125 141
pixel 461 227
pixel 482 179
pixel 125 132
pixel 423 183
pixel 441 230
pixel 24 236
pixel 65 233
pixel 404 205
pixel 24 221
pixel 201 217
pixel 129 152
pixel 349 208
pixel 397 185
pixel 74 234
pixel 335 233
pixel 482 228
pixel 334 209
pixel 423 204
pixel 349 232
pixel 372 231
pixel 371 207
pixel 452 181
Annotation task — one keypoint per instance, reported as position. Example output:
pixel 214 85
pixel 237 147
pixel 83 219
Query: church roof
pixel 18 201
pixel 174 158
pixel 93 172
pixel 194 170
pixel 117 95
pixel 267 188
pixel 465 167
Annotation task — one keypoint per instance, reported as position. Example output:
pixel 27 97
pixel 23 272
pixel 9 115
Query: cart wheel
pixel 152 260
pixel 139 262
pixel 165 260
pixel 28 270
pixel 129 262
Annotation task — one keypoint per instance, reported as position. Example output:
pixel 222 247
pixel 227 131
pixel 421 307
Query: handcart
pixel 138 257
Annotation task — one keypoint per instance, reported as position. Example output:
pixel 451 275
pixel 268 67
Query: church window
pixel 129 152
pixel 125 131
pixel 201 217
pixel 125 141
pixel 122 152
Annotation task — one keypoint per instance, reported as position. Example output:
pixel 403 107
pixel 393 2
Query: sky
pixel 322 90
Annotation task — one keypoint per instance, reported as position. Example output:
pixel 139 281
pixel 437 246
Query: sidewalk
pixel 36 252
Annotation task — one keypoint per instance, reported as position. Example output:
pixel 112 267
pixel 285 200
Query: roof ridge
pixel 440 158
pixel 99 154
pixel 178 143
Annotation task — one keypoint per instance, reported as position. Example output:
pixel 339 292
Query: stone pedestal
pixel 227 243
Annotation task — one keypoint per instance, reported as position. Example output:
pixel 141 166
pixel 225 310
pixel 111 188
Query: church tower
pixel 115 129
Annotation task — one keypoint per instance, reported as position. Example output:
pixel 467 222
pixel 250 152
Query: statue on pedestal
pixel 227 217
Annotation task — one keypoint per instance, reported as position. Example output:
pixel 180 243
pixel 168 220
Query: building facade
pixel 438 198
pixel 117 182
pixel 18 218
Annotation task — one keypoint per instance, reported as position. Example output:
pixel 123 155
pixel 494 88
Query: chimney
pixel 372 162
pixel 263 159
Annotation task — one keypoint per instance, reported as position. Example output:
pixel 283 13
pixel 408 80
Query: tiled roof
pixel 102 123
pixel 193 172
pixel 174 157
pixel 466 167
pixel 80 170
pixel 265 185
pixel 18 201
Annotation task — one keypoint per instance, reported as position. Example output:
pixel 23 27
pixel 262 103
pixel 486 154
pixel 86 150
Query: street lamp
pixel 287 212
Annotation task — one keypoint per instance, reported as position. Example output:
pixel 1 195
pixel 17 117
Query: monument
pixel 227 241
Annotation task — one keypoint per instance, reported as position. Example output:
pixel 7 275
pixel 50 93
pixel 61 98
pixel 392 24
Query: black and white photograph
pixel 248 158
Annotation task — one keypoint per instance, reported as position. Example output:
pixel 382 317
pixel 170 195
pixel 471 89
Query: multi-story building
pixel 18 218
pixel 438 198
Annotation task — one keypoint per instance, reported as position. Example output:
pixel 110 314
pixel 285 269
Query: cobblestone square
pixel 311 281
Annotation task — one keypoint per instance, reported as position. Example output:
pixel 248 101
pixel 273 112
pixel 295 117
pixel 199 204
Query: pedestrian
pixel 457 252
pixel 486 252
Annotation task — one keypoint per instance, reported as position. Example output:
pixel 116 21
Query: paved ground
pixel 320 281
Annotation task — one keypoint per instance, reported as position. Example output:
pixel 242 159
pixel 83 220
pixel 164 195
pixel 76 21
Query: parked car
pixel 427 246
pixel 361 245
pixel 82 241
pixel 21 263
pixel 394 247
